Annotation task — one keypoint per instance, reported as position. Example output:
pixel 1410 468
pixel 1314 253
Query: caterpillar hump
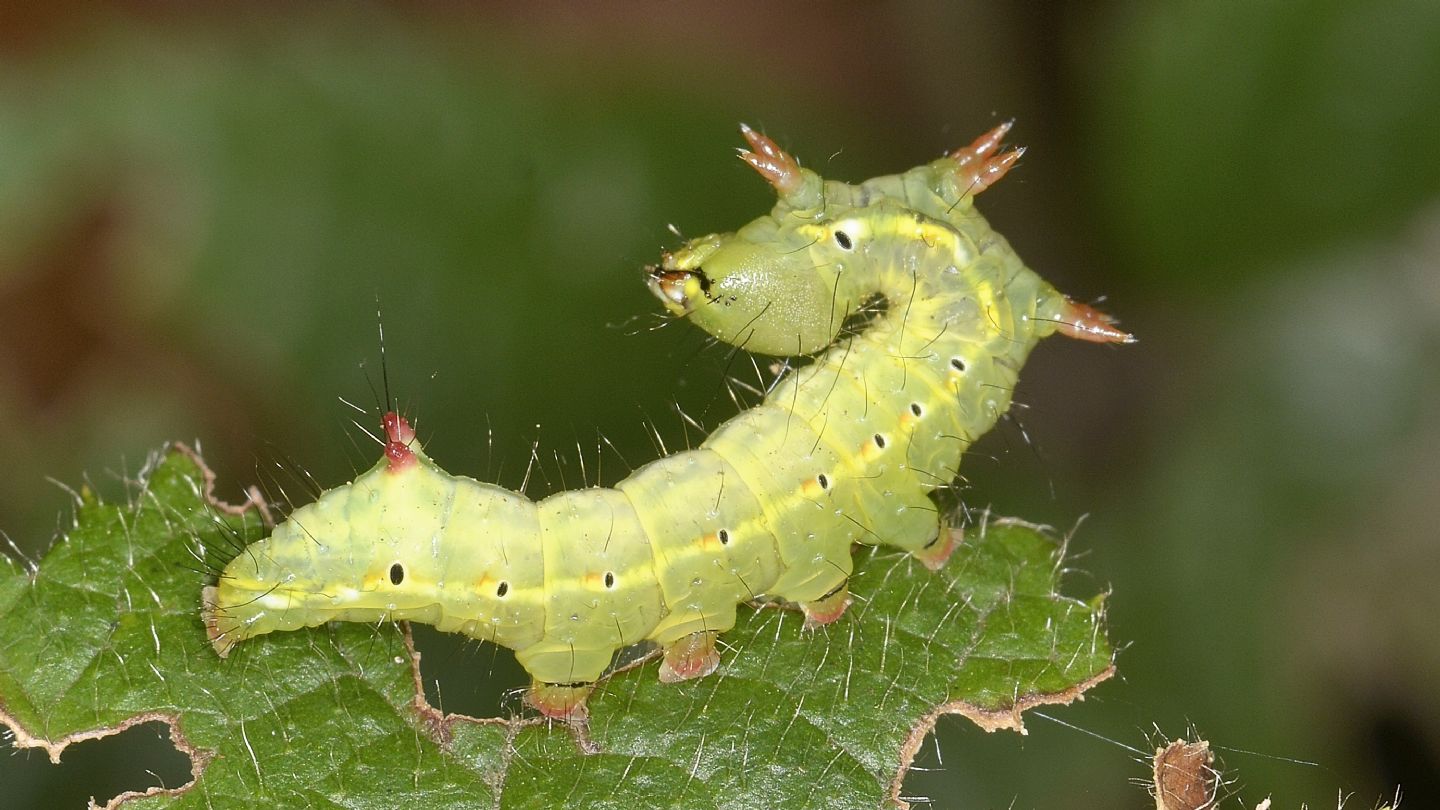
pixel 847 449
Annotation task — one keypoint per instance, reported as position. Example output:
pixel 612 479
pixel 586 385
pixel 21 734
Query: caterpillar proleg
pixel 847 449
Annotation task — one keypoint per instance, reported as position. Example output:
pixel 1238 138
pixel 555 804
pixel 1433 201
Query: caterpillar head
pixel 764 287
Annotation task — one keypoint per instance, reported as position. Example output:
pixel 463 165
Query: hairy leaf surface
pixel 106 633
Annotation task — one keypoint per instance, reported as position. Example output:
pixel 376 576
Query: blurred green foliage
pixel 199 210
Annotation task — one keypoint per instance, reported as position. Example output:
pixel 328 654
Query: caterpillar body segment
pixel 846 449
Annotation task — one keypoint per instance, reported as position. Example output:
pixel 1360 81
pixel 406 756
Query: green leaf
pixel 106 633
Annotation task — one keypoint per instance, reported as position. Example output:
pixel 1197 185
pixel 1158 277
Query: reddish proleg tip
pixel 560 701
pixel 935 555
pixel 693 656
pixel 399 435
pixel 828 609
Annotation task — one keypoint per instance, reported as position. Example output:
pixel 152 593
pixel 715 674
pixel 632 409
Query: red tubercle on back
pixel 398 437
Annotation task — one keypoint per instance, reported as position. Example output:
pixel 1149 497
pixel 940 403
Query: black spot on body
pixel 397 574
pixel 843 240
pixel 503 589
pixel 724 535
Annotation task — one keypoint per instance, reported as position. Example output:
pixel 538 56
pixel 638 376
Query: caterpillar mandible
pixel 843 450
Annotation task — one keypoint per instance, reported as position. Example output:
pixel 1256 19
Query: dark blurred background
pixel 200 205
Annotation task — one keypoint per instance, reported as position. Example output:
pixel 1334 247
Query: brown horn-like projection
pixel 778 168
pixel 978 166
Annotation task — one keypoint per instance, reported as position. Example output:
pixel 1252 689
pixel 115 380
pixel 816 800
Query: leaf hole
pixel 140 757
pixel 461 675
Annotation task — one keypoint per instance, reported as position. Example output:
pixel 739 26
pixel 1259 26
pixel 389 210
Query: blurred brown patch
pixel 55 317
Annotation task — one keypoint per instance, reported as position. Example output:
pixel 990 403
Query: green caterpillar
pixel 846 449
